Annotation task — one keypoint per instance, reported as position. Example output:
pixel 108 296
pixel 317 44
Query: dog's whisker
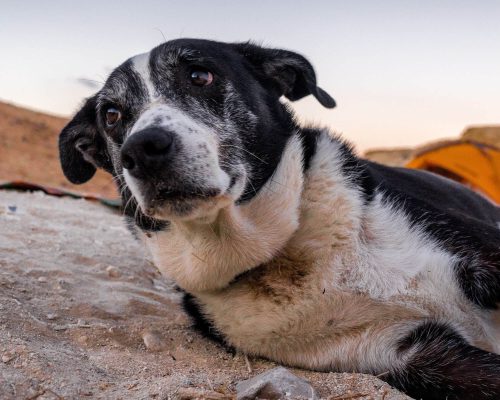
pixel 244 150
pixel 249 181
pixel 164 38
pixel 281 184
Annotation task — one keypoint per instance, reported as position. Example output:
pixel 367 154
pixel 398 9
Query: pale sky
pixel 402 72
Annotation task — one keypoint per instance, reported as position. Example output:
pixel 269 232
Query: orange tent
pixel 474 164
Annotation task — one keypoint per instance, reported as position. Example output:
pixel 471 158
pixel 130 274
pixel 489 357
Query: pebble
pixel 7 357
pixel 113 272
pixel 153 341
pixel 42 279
pixel 82 339
pixel 52 316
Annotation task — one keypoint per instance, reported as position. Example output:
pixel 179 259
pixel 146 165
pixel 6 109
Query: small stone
pixel 42 279
pixel 60 327
pixel 7 357
pixel 278 383
pixel 153 341
pixel 52 316
pixel 82 339
pixel 113 272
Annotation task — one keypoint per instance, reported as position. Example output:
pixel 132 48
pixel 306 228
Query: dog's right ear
pixel 81 147
pixel 285 72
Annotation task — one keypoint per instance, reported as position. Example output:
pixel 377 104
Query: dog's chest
pixel 351 275
pixel 322 295
pixel 340 274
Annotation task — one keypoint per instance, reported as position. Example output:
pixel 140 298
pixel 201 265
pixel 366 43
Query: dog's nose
pixel 147 150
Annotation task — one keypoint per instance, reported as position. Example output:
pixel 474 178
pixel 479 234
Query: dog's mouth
pixel 164 202
pixel 164 195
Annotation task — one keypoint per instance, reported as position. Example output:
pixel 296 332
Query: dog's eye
pixel 113 115
pixel 200 77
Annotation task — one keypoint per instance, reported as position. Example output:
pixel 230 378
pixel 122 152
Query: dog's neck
pixel 201 257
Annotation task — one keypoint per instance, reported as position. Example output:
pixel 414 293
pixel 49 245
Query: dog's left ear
pixel 289 73
pixel 81 147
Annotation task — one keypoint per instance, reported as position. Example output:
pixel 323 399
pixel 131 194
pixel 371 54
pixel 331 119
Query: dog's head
pixel 191 125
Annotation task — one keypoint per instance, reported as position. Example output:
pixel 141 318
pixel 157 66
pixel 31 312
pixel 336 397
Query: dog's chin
pixel 196 209
pixel 201 206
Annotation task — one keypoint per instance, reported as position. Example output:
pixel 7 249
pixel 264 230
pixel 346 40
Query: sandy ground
pixel 79 301
pixel 29 152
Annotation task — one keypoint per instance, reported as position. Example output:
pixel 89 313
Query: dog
pixel 286 244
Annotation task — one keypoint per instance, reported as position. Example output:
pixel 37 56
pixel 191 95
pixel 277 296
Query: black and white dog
pixel 287 245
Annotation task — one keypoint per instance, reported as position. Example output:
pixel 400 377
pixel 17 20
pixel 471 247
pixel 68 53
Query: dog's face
pixel 190 126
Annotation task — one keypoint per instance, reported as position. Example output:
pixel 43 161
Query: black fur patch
pixel 264 148
pixel 442 365
pixel 200 322
pixel 356 170
pixel 81 146
pixel 309 138
pixel 353 167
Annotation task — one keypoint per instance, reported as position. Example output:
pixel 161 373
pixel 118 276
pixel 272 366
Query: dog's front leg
pixel 208 256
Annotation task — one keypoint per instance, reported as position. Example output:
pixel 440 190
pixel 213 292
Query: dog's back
pixel 432 192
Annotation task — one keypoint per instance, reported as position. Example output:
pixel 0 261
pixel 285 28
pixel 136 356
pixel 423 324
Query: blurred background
pixel 405 74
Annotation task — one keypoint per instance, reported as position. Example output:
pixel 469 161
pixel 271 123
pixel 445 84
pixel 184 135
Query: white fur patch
pixel 141 66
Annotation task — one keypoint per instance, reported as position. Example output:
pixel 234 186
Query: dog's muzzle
pixel 148 152
pixel 166 180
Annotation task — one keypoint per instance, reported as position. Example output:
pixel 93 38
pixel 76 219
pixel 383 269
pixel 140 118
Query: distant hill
pixel 28 152
pixel 399 157
pixel 484 134
pixel 393 157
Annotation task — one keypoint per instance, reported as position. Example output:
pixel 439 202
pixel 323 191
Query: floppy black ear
pixel 285 71
pixel 81 148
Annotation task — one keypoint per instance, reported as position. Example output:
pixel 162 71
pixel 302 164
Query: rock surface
pixel 84 314
pixel 277 383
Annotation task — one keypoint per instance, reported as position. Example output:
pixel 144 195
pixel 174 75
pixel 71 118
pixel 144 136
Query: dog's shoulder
pixel 446 210
pixel 417 192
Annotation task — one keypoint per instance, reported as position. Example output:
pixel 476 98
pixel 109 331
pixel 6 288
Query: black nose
pixel 147 150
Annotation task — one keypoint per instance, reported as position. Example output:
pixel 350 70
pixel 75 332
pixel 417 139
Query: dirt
pixel 28 152
pixel 391 157
pixel 484 134
pixel 85 314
